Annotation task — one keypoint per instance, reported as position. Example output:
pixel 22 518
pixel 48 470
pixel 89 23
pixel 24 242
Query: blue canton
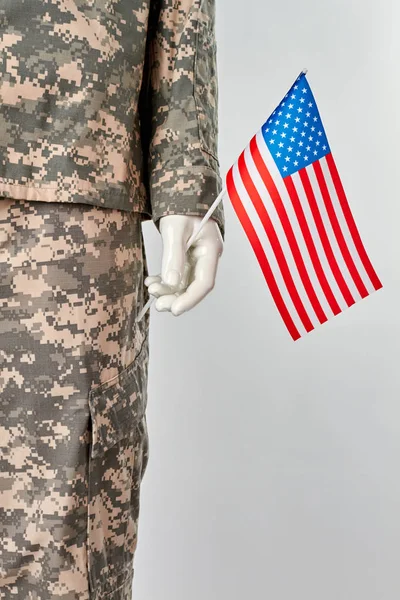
pixel 294 132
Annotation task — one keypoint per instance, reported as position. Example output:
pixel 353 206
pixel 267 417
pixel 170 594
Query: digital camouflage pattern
pixel 112 103
pixel 73 389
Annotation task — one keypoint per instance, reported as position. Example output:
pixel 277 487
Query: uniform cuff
pixel 186 191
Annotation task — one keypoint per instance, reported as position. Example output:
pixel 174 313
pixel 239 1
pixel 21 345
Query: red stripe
pixel 351 223
pixel 311 246
pixel 324 238
pixel 287 227
pixel 260 254
pixel 273 238
pixel 338 232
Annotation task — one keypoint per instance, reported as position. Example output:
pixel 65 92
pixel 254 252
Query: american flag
pixel 286 191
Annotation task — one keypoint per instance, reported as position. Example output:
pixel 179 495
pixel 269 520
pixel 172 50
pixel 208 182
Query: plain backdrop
pixel 274 465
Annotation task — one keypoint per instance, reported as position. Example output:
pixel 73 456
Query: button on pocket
pixel 118 457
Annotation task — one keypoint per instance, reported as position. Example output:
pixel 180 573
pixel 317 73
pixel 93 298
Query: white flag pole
pixel 189 243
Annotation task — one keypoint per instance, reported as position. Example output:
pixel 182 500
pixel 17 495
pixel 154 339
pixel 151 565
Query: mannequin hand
pixel 186 277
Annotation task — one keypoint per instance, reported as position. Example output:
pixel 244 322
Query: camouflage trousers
pixel 73 396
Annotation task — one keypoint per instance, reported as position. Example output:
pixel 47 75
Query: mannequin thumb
pixel 173 258
pixel 172 278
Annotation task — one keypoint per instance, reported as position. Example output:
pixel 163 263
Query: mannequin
pixel 185 279
pixel 108 117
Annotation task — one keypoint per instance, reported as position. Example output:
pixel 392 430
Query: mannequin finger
pixel 164 303
pixel 189 299
pixel 152 279
pixel 205 271
pixel 159 289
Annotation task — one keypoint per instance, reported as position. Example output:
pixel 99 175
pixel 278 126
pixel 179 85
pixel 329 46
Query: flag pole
pixel 189 243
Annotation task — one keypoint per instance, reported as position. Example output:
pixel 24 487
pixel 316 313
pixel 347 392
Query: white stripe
pixel 253 216
pixel 280 232
pixel 344 227
pixel 331 235
pixel 298 234
pixel 317 242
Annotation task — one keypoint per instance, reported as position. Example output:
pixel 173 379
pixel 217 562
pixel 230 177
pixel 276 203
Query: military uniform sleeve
pixel 179 110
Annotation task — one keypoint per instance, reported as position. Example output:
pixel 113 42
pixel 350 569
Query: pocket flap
pixel 117 405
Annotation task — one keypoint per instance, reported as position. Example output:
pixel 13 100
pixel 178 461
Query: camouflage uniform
pixel 111 103
pixel 108 117
pixel 73 396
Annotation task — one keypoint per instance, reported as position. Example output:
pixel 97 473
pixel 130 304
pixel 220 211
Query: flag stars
pixel 298 136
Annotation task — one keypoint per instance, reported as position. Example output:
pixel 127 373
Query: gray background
pixel 274 465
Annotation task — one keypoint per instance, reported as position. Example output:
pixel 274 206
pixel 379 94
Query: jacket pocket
pixel 117 461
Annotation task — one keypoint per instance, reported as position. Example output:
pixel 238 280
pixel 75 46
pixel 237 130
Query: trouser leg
pixel 73 394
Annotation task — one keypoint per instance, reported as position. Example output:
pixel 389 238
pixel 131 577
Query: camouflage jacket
pixel 112 103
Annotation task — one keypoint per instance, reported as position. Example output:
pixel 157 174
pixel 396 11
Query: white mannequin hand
pixel 186 278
